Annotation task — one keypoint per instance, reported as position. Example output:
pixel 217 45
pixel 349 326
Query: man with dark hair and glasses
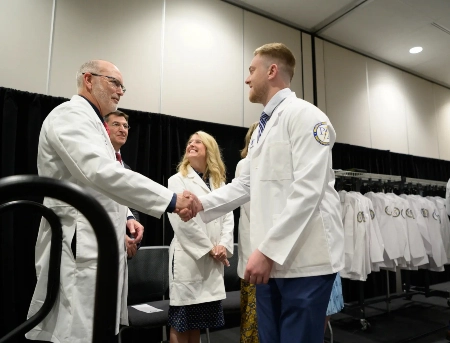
pixel 117 122
pixel 74 145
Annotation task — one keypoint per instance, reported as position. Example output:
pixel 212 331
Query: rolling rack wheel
pixel 365 325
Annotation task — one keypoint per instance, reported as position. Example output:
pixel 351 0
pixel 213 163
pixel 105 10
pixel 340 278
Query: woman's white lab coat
pixel 195 277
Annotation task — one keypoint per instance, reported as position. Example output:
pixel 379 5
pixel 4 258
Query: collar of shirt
pixel 276 100
pixel 95 109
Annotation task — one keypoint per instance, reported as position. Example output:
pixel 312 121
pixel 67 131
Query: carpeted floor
pixel 420 320
pixel 413 321
pixel 408 321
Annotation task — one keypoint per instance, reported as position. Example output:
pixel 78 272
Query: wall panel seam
pixel 243 74
pixel 368 104
pixel 50 48
pixel 161 72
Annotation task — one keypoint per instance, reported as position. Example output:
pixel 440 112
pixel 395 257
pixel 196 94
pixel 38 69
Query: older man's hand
pixel 136 230
pixel 131 246
pixel 187 206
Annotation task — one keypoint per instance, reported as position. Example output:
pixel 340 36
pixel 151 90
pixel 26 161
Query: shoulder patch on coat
pixel 321 133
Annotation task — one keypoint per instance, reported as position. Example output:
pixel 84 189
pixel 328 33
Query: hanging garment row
pixel 385 230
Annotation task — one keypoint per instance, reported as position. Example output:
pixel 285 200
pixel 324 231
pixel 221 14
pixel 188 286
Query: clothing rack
pixel 359 178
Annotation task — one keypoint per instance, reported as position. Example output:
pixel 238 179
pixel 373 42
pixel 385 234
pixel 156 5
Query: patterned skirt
pixel 196 316
pixel 249 325
pixel 336 303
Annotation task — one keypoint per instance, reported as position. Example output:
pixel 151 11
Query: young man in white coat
pixel 296 232
pixel 74 146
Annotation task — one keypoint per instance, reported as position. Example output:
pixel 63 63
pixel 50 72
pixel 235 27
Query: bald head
pixel 93 66
pixel 101 83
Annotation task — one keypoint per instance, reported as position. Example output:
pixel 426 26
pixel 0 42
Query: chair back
pixel 148 275
pixel 231 278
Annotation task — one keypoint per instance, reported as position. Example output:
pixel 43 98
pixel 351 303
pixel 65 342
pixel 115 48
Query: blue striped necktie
pixel 262 123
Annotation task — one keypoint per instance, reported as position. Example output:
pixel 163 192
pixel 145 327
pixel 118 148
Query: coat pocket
pixel 311 249
pixel 186 268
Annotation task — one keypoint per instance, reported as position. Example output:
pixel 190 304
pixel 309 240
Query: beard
pixel 104 100
pixel 258 94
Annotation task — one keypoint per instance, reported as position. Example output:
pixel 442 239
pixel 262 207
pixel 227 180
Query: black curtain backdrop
pixel 155 145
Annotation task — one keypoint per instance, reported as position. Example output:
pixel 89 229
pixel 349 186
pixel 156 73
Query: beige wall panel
pixel 346 95
pixel 320 75
pixel 442 105
pixel 308 85
pixel 202 70
pixel 127 33
pixel 387 107
pixel 259 31
pixel 25 27
pixel 420 117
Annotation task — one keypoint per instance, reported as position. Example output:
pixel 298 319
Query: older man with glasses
pixel 74 145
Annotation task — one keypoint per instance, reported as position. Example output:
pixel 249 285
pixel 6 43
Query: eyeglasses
pixel 111 79
pixel 116 124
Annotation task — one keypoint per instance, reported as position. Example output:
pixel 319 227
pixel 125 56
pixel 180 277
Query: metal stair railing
pixel 12 190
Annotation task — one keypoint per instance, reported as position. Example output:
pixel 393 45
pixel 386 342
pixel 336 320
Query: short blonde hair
pixel 215 168
pixel 282 55
pixel 252 128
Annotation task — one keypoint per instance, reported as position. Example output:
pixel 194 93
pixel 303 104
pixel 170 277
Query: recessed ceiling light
pixel 415 50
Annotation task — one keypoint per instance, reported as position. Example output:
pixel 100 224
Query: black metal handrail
pixel 54 265
pixel 14 188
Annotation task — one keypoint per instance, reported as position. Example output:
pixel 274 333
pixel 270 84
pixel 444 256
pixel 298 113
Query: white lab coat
pixel 447 197
pixel 357 257
pixel 244 246
pixel 196 277
pixel 376 243
pixel 429 216
pixel 295 215
pixel 383 213
pixel 444 221
pixel 74 146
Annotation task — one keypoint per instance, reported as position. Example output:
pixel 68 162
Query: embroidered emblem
pixel 388 211
pixel 372 214
pixel 410 213
pixel 402 213
pixel 360 217
pixel 436 216
pixel 424 212
pixel 395 212
pixel 321 133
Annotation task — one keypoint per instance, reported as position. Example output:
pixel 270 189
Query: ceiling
pixel 382 29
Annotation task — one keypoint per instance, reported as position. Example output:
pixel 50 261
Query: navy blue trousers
pixel 293 309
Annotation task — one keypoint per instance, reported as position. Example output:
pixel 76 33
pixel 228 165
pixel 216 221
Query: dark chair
pixel 148 283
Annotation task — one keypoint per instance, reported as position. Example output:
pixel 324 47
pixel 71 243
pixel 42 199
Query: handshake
pixel 187 206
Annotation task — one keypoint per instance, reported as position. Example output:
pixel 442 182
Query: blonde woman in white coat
pixel 198 251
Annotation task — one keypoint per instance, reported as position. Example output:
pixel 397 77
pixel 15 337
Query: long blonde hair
pixel 252 128
pixel 215 168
